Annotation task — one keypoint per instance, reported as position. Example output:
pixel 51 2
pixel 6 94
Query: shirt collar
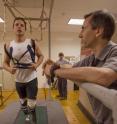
pixel 105 51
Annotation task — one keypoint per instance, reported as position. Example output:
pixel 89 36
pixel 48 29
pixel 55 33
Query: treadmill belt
pixel 48 112
pixel 41 115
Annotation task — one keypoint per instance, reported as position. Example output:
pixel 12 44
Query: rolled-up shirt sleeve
pixel 111 63
pixel 84 62
pixel 111 60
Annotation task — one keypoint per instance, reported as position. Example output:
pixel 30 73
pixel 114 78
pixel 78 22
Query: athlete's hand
pixel 33 66
pixel 12 70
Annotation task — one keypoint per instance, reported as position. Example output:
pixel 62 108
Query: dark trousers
pixel 62 87
pixel 27 90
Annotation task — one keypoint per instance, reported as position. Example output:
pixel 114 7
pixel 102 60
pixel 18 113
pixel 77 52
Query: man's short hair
pixel 20 18
pixel 61 54
pixel 102 19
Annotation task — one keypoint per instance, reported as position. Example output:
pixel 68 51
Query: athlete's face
pixel 19 27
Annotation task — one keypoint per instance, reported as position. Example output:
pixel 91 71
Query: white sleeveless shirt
pixel 23 75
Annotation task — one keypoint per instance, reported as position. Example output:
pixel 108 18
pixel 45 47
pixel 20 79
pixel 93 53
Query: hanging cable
pixel 21 15
pixel 41 26
pixel 42 16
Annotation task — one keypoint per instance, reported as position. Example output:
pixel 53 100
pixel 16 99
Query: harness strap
pixel 5 49
pixel 22 55
pixel 33 46
pixel 23 65
pixel 32 54
pixel 15 61
pixel 10 53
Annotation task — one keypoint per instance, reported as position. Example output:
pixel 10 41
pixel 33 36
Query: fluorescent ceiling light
pixel 76 21
pixel 1 20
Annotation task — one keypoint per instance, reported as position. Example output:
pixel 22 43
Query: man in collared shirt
pixel 62 82
pixel 101 67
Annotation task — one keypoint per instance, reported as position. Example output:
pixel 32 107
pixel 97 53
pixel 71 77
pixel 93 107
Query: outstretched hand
pixel 52 71
pixel 49 67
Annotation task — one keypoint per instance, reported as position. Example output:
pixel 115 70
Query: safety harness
pixel 16 62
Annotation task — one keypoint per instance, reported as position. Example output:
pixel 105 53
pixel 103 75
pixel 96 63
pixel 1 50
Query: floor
pixel 73 113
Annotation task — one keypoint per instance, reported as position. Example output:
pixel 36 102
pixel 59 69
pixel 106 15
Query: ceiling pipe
pixel 9 8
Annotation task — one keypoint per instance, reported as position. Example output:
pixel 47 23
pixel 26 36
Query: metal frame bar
pixel 39 19
pixel 1 95
pixel 10 10
pixel 107 96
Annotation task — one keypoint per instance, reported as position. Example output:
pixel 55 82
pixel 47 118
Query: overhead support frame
pixel 48 19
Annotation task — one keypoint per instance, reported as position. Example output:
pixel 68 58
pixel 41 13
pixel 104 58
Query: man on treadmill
pixel 19 59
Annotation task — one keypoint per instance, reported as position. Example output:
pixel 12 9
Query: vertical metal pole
pixel 49 39
pixel 49 51
pixel 49 42
pixel 49 27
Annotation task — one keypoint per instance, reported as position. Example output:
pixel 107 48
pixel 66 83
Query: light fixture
pixel 76 21
pixel 1 20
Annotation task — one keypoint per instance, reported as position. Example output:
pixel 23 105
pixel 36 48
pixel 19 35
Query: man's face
pixel 61 57
pixel 87 35
pixel 19 27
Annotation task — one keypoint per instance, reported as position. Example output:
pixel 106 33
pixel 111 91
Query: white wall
pixel 68 43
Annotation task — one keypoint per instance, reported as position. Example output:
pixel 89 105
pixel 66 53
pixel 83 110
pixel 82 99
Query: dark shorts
pixel 27 90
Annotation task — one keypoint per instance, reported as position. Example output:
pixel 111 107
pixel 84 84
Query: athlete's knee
pixel 31 103
pixel 23 102
pixel 24 105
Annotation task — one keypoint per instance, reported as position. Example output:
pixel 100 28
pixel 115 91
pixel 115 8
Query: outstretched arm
pixel 102 76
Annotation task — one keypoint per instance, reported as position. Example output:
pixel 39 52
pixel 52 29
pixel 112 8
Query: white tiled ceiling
pixel 62 11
